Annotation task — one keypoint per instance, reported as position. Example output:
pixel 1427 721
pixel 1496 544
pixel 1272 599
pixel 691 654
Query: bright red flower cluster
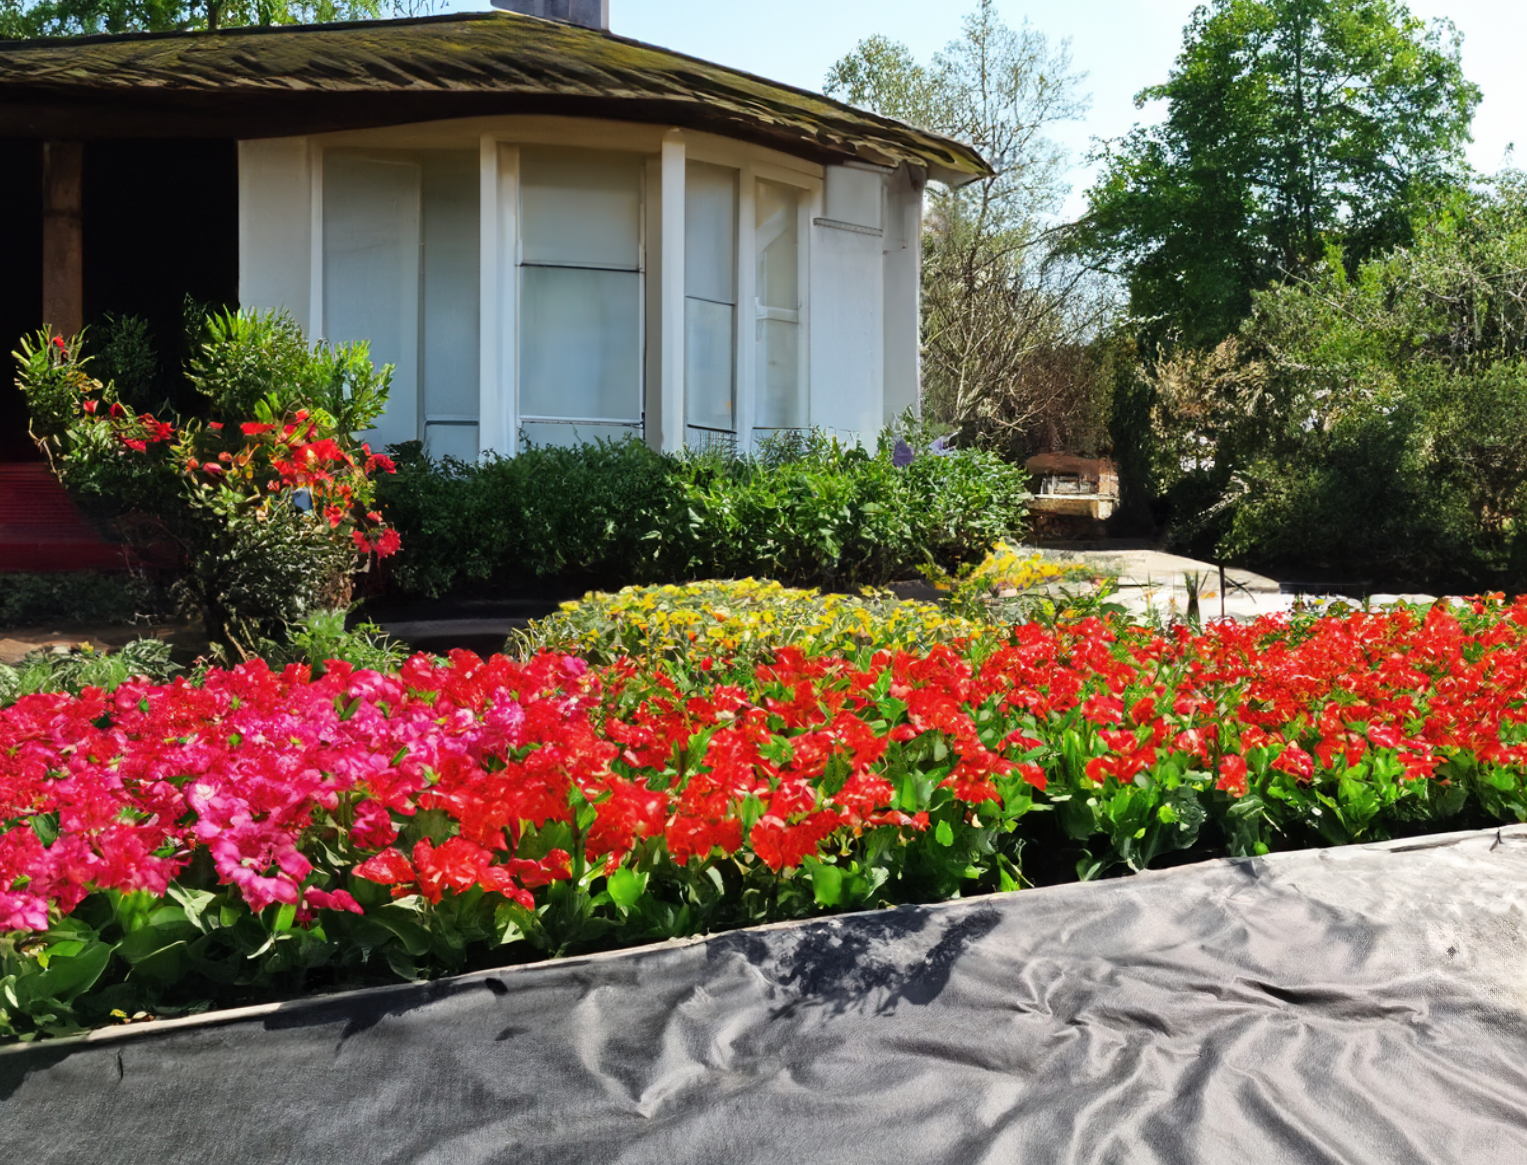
pixel 298 457
pixel 289 784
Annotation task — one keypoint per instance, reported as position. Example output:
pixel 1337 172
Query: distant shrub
pixel 77 597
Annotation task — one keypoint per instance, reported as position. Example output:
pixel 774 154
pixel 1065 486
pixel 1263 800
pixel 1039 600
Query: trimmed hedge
pixel 613 514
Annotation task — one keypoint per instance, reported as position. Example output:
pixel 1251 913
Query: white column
pixel 317 324
pixel 747 308
pixel 670 418
pixel 498 411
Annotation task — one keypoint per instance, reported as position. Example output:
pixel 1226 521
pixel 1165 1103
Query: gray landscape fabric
pixel 1366 1004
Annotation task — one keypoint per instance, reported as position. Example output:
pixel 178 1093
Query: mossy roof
pixel 263 82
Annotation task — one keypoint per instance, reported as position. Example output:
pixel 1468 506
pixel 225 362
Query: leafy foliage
pixel 1372 423
pixel 20 19
pixel 1291 125
pixel 813 512
pixel 77 597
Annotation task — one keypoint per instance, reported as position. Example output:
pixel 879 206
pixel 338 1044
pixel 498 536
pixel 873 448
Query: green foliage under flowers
pixel 266 509
pixel 64 669
pixel 322 638
pixel 811 512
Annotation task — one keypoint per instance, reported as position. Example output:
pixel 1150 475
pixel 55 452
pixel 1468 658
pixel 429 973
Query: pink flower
pixel 337 900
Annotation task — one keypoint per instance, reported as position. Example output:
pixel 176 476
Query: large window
pixel 400 270
pixel 779 378
pixel 580 326
pixel 710 303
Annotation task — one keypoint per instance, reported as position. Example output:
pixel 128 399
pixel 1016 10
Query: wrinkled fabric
pixel 1350 1005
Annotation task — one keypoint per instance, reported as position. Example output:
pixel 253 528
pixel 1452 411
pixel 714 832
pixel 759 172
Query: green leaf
pixel 826 882
pixel 68 977
pixel 626 887
pixel 944 834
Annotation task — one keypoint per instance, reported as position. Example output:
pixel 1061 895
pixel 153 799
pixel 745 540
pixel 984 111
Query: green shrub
pixel 808 511
pixel 78 597
pixel 72 669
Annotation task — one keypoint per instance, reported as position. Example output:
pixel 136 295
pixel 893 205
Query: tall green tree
pixel 994 301
pixel 1290 125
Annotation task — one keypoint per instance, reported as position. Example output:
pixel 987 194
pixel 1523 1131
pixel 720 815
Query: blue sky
pixel 1123 45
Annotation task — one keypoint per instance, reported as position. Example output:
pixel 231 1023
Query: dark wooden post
pixel 63 243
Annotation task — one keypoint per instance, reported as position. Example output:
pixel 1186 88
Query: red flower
pixel 388 867
pixel 1232 775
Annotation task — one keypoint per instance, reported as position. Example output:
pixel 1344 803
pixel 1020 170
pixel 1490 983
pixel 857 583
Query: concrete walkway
pixel 1153 582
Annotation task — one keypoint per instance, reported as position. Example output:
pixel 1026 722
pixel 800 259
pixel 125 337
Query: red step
pixel 41 529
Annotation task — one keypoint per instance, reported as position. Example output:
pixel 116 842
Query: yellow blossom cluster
pixel 746 618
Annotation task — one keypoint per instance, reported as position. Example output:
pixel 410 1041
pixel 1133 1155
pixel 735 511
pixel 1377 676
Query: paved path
pixel 1155 582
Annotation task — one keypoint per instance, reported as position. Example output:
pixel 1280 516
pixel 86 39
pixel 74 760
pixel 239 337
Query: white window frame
pixel 499 140
pixel 638 424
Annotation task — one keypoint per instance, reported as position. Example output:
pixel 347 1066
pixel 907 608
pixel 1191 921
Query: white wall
pixel 903 288
pixel 276 226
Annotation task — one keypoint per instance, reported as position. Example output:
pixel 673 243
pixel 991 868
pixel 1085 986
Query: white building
pixel 548 230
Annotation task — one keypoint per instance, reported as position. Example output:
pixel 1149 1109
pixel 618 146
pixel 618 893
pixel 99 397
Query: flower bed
pixel 168 847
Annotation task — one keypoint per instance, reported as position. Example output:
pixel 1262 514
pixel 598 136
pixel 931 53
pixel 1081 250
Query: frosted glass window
pixel 781 402
pixel 580 208
pixel 459 441
pixel 778 240
pixel 371 217
pixel 710 295
pixel 781 388
pixel 710 232
pixel 708 363
pixel 563 436
pixel 580 343
pixel 580 326
pixel 451 289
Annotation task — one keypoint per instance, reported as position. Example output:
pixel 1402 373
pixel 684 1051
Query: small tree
pixel 1003 315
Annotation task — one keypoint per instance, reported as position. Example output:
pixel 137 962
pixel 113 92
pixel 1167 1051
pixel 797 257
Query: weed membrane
pixel 1364 1004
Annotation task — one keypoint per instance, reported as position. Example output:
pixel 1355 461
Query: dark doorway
pixel 20 282
pixel 161 225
